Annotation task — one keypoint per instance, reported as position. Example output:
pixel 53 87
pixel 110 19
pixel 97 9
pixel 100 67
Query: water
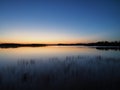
pixel 59 67
pixel 53 51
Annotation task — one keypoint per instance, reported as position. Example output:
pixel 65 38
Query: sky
pixel 59 21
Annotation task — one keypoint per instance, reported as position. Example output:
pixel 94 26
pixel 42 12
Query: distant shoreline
pixel 99 45
pixel 14 45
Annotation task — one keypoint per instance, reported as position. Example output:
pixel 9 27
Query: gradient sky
pixel 59 21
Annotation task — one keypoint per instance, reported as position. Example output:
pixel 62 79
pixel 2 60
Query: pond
pixel 59 67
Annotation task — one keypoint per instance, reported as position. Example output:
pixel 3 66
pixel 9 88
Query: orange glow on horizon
pixel 44 36
pixel 44 41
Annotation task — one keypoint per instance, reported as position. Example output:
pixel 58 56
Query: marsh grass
pixel 70 72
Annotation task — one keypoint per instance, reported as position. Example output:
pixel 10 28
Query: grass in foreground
pixel 71 72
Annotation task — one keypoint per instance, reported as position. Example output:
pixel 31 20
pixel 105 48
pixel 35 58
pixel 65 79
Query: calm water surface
pixel 58 68
pixel 8 54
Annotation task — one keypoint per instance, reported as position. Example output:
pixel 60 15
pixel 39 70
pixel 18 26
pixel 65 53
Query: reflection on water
pixel 76 72
pixel 108 48
pixel 53 51
pixel 58 68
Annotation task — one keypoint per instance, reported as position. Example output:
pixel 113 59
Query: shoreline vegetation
pixel 16 45
pixel 98 45
pixel 70 72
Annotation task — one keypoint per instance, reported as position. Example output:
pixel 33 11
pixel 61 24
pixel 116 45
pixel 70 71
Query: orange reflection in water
pixel 48 51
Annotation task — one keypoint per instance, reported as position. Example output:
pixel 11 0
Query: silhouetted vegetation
pixel 68 73
pixel 105 43
pixel 101 43
pixel 14 45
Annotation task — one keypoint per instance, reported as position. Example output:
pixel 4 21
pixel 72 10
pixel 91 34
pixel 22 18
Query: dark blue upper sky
pixel 53 21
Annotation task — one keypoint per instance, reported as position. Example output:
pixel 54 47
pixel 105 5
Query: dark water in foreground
pixel 58 68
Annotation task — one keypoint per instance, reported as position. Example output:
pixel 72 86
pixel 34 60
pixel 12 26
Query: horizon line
pixel 59 43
